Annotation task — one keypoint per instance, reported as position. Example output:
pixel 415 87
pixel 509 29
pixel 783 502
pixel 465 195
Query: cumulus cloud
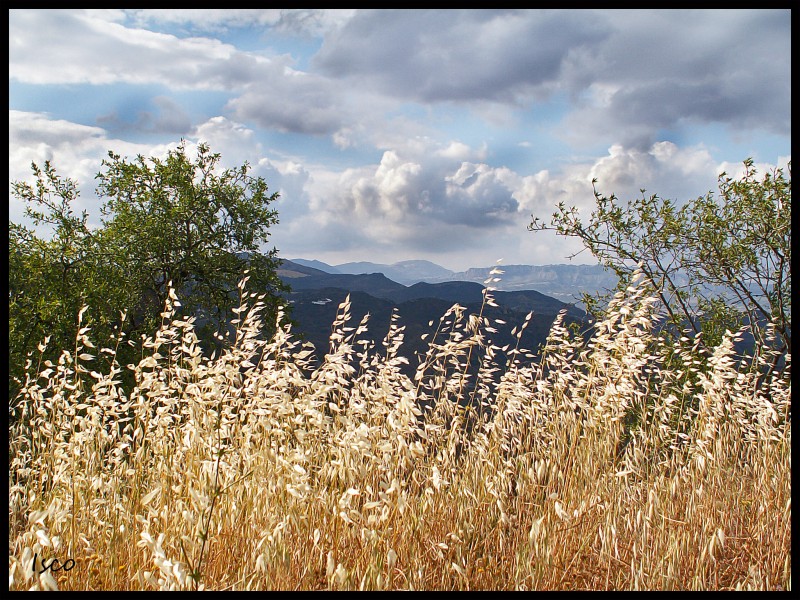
pixel 664 169
pixel 307 21
pixel 292 102
pixel 641 80
pixel 625 73
pixel 411 110
pixel 456 55
pixel 42 49
pixel 420 199
pixel 425 199
pixel 75 150
pixel 414 188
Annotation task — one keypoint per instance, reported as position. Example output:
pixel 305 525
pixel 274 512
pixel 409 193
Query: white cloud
pixel 424 180
pixel 75 150
pixel 299 21
pixel 418 186
pixel 629 74
pixel 43 50
pixel 459 151
pixel 420 200
pixel 292 102
pixel 664 169
pixel 456 55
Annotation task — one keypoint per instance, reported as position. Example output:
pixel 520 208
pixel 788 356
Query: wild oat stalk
pixel 617 462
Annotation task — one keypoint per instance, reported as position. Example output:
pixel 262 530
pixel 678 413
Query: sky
pixel 409 134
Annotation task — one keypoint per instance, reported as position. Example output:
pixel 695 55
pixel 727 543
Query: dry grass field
pixel 613 463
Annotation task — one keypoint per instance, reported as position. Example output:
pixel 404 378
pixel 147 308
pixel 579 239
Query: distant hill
pixel 315 264
pixel 463 292
pixel 406 272
pixel 375 284
pixel 564 282
pixel 291 270
pixel 316 295
pixel 313 312
pixel 380 286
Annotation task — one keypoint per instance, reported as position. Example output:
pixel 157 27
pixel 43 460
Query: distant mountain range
pixel 317 289
pixel 563 282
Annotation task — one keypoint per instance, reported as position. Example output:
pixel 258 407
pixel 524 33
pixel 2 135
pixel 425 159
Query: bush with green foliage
pixel 177 219
pixel 715 264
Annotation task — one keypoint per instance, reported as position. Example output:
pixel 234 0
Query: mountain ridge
pixel 565 282
pixel 378 285
pixel 316 295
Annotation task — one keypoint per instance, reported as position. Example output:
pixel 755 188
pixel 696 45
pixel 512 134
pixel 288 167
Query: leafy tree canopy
pixel 179 219
pixel 716 263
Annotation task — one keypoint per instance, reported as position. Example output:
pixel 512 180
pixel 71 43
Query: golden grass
pixel 603 465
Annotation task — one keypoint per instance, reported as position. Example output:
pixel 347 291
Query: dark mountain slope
pixel 315 298
pixel 375 284
pixel 463 292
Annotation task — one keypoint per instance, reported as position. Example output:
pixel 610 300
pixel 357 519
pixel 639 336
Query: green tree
pixel 50 279
pixel 714 263
pixel 192 224
pixel 176 220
